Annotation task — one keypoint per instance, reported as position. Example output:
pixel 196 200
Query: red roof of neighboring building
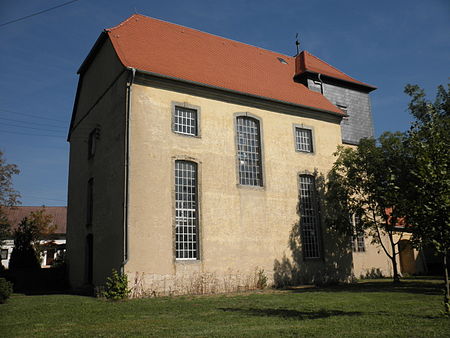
pixel 400 222
pixel 187 54
pixel 306 62
pixel 16 214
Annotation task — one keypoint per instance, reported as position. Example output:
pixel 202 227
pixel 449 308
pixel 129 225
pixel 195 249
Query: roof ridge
pixel 340 71
pixel 122 23
pixel 198 30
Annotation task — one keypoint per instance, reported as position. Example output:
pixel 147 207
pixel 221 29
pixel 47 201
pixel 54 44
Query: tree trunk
pixel 394 262
pixel 447 287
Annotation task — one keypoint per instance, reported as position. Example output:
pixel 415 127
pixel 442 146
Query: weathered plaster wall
pixel 102 105
pixel 241 228
pixel 373 261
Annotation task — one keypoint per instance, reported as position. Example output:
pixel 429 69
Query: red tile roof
pixel 16 214
pixel 306 62
pixel 179 52
pixel 400 222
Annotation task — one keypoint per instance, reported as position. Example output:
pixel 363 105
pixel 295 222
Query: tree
pixel 428 188
pixel 8 195
pixel 5 227
pixel 24 255
pixel 42 225
pixel 365 182
pixel 27 236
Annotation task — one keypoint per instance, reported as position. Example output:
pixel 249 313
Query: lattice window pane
pixel 303 140
pixel 358 244
pixel 359 234
pixel 185 121
pixel 309 217
pixel 186 234
pixel 249 151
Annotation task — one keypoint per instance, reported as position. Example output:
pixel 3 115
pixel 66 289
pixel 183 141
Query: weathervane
pixel 297 43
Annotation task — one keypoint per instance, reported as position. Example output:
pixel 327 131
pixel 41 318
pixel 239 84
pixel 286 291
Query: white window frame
pixel 358 242
pixel 180 123
pixel 249 152
pixel 309 217
pixel 300 146
pixel 186 210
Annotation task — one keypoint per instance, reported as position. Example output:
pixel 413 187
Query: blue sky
pixel 384 43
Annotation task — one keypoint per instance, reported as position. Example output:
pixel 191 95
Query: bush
pixel 374 273
pixel 261 281
pixel 24 257
pixel 6 289
pixel 116 286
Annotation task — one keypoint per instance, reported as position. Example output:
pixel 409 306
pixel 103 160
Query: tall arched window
pixel 186 210
pixel 249 151
pixel 309 217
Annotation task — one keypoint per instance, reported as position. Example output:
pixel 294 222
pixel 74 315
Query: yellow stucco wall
pixel 373 261
pixel 241 228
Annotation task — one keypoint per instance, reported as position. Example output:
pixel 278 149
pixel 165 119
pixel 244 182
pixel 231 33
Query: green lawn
pixel 369 308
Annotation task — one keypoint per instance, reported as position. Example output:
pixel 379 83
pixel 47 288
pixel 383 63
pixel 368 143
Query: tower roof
pixel 306 62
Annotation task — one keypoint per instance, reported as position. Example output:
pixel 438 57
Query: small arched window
pixel 249 151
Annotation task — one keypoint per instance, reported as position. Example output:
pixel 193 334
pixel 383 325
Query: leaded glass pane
pixel 186 241
pixel 309 217
pixel 303 140
pixel 249 151
pixel 185 121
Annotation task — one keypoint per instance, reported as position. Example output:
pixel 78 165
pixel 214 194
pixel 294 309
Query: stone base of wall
pixel 197 283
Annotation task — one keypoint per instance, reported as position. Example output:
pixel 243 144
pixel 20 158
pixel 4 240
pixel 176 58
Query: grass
pixel 369 308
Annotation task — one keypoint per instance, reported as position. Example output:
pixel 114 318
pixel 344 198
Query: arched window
pixel 249 151
pixel 186 210
pixel 358 234
pixel 309 217
pixel 89 271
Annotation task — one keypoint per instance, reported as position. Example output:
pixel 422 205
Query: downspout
pixel 321 83
pixel 127 169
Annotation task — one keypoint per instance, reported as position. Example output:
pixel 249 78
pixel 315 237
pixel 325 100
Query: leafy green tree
pixel 27 236
pixel 24 255
pixel 42 227
pixel 365 181
pixel 5 227
pixel 8 195
pixel 428 188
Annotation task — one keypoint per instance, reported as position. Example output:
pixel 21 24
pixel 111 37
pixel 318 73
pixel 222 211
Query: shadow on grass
pixel 285 313
pixel 415 287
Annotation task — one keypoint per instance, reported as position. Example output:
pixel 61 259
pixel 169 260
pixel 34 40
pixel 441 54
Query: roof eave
pixel 238 92
pixel 367 87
